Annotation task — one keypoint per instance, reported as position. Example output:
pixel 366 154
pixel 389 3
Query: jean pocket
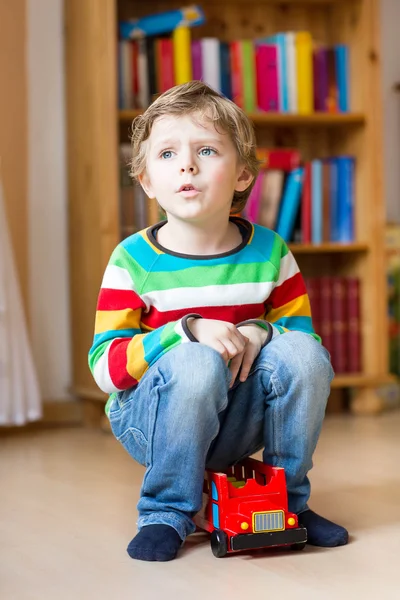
pixel 134 443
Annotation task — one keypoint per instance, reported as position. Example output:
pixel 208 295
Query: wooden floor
pixel 68 500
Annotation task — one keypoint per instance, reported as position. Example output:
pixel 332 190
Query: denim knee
pixel 197 370
pixel 303 359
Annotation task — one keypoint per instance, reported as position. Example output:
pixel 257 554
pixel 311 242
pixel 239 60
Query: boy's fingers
pixel 235 366
pixel 247 363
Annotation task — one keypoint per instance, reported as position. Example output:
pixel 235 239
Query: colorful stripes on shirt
pixel 147 292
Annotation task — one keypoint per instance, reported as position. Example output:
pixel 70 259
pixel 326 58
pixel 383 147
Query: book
pixel 306 206
pixel 353 325
pixel 340 336
pixel 163 22
pixel 285 159
pixel 267 78
pixel 271 193
pixel 225 62
pixel 345 198
pixel 290 45
pixel 252 208
pixel 290 203
pixel 211 63
pixel 320 66
pixel 182 55
pixel 331 102
pixel 342 76
pixel 305 83
pixel 236 73
pixel 166 62
pixel 316 202
pixel 325 284
pixel 197 61
pixel 249 76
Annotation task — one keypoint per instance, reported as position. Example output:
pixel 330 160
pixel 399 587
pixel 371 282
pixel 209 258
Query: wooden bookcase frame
pixel 95 127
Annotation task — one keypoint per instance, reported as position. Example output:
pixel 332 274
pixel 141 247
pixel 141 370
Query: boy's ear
pixel 145 182
pixel 244 180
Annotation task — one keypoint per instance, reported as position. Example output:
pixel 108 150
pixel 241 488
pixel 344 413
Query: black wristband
pixel 262 324
pixel 185 327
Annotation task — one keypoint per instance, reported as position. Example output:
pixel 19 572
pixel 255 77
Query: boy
pixel 203 330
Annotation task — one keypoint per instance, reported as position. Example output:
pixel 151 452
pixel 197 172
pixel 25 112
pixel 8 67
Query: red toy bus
pixel 246 508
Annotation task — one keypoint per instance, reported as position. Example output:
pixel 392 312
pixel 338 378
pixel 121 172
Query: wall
pixel 47 214
pixel 390 15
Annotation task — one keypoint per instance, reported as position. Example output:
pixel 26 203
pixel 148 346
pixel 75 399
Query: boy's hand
pixel 256 337
pixel 224 337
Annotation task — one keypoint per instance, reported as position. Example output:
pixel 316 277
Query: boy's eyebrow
pixel 205 140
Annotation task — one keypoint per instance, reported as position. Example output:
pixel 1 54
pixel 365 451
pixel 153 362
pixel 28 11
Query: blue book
pixel 225 60
pixel 290 203
pixel 333 200
pixel 342 74
pixel 316 202
pixel 345 198
pixel 159 23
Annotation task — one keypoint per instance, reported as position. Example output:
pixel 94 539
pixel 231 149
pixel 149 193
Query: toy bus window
pixel 215 515
pixel 261 478
pixel 214 492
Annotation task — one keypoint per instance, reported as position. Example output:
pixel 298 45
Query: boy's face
pixel 192 169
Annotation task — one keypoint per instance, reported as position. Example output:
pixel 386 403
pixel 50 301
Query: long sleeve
pixel 288 306
pixel 121 351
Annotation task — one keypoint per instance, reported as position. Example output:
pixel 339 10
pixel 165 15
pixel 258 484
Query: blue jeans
pixel 182 417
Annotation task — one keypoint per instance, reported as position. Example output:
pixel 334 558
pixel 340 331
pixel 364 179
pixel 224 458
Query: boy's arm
pixel 288 306
pixel 121 353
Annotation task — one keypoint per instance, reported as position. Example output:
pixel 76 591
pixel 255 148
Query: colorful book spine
pixel 249 76
pixel 354 327
pixel 290 203
pixel 306 206
pixel 332 101
pixel 279 42
pixel 326 284
pixel 197 61
pixel 267 78
pixel 320 66
pixel 182 55
pixel 339 325
pixel 342 74
pixel 345 198
pixel 333 200
pixel 253 204
pixel 159 23
pixel 285 159
pixel 236 73
pixel 290 46
pixel 316 202
pixel 304 72
pixel 225 62
pixel 211 62
pixel 166 57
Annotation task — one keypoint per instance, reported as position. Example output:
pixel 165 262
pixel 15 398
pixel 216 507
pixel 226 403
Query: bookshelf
pixel 96 127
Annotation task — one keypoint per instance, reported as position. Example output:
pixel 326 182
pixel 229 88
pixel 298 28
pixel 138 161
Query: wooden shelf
pixel 282 119
pixel 328 248
pixel 361 380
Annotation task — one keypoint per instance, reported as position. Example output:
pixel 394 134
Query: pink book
pixel 197 66
pixel 252 209
pixel 267 77
pixel 167 75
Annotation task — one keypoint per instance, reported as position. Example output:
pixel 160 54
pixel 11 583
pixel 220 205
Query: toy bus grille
pixel 269 521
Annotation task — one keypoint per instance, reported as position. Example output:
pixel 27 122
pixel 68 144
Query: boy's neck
pixel 198 241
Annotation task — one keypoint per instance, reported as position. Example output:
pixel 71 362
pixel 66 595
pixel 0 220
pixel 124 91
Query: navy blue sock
pixel 321 532
pixel 155 542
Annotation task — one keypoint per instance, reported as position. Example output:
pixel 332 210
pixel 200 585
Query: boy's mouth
pixel 187 187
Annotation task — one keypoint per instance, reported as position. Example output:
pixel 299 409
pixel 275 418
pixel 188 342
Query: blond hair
pixel 197 97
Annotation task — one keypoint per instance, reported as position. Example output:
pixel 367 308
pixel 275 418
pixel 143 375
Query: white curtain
pixel 20 400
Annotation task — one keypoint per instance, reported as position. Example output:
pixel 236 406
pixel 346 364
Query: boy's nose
pixel 189 169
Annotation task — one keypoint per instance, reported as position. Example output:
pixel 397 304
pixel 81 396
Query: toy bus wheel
pixel 298 547
pixel 219 543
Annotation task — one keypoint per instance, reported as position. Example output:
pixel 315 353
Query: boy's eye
pixel 166 154
pixel 207 151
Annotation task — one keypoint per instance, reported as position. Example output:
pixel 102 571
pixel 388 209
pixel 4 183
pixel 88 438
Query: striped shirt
pixel 148 292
